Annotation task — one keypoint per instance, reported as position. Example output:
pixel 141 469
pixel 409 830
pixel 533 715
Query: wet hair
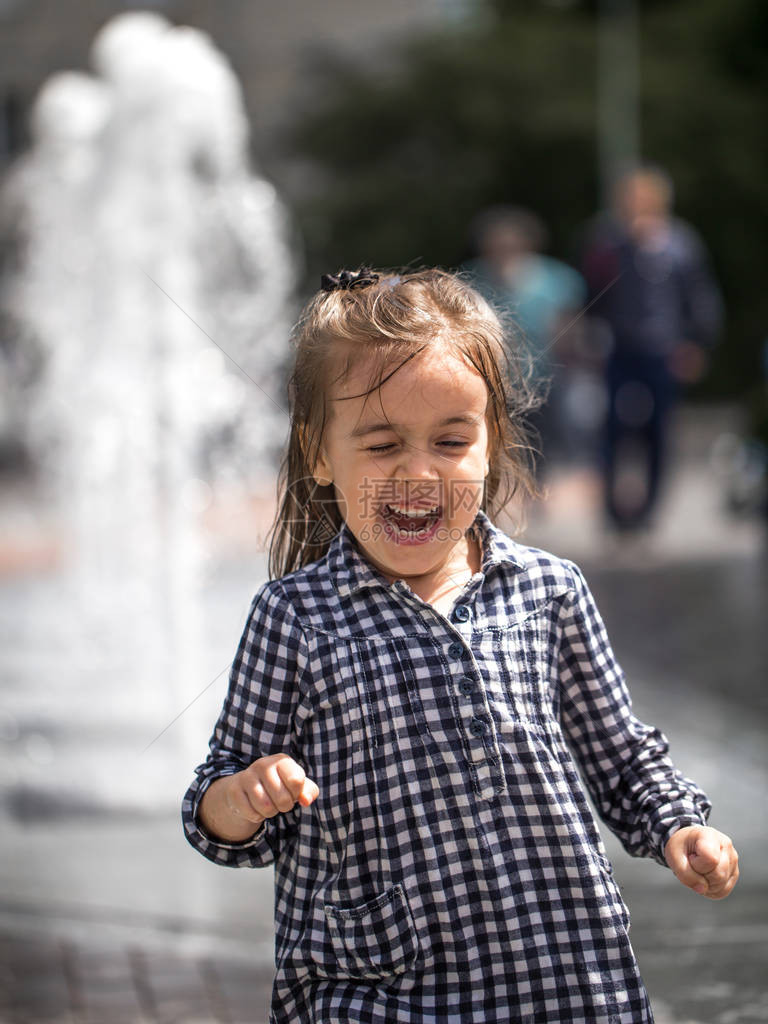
pixel 388 322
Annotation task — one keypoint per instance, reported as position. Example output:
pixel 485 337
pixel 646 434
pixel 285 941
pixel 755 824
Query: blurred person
pixel 655 302
pixel 416 698
pixel 744 460
pixel 544 297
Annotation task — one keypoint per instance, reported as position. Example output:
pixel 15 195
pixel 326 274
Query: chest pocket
pixel 527 655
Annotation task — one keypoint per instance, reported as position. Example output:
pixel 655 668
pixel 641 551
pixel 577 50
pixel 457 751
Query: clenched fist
pixel 704 860
pixel 268 786
pixel 234 806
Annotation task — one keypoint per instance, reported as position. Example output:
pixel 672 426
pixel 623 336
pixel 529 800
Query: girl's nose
pixel 419 472
pixel 417 463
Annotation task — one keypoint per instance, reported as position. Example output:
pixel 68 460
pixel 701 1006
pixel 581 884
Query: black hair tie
pixel 346 280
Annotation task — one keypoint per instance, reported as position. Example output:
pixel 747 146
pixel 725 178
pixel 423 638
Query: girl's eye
pixel 381 448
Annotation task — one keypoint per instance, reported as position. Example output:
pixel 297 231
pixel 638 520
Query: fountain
pixel 155 278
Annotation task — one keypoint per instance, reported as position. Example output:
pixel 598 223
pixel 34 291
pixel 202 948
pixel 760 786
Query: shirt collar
pixel 351 571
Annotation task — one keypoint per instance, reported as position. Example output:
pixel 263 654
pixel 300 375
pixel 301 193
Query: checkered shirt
pixel 451 870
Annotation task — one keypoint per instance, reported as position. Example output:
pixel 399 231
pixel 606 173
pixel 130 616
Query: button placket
pixel 483 752
pixel 481 745
pixel 475 725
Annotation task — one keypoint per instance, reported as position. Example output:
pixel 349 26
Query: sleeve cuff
pixel 663 828
pixel 256 851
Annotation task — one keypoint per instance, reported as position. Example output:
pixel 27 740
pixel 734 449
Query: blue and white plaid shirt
pixel 451 869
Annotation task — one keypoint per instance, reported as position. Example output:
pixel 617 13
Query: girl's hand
pixel 704 860
pixel 268 786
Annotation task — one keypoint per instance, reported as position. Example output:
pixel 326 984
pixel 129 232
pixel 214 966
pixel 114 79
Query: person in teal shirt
pixel 544 297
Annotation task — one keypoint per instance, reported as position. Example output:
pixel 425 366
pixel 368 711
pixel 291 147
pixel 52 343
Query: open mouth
pixel 414 523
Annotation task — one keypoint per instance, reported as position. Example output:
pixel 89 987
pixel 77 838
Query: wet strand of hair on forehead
pixel 362 394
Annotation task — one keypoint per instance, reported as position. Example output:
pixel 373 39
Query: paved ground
pixel 700 963
pixel 108 916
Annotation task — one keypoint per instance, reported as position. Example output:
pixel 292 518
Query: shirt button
pixel 461 613
pixel 466 686
pixel 477 727
pixel 456 649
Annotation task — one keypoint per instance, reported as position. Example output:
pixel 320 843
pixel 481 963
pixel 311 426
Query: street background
pixel 173 181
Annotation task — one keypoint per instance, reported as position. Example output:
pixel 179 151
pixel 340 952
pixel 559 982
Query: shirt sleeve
pixel 256 719
pixel 637 790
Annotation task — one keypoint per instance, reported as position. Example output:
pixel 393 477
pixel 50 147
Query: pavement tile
pixel 68 982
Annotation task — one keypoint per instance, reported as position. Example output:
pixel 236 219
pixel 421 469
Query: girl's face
pixel 409 491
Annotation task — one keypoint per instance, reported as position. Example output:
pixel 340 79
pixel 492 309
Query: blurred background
pixel 173 180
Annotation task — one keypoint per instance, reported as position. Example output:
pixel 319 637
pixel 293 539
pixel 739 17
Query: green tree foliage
pixel 400 155
pixel 705 116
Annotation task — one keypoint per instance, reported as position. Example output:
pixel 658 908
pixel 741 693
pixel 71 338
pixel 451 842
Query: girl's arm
pixel 257 720
pixel 638 792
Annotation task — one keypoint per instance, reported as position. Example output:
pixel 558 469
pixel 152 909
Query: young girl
pixel 415 694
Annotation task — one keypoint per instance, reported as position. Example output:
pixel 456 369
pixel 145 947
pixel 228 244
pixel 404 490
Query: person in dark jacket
pixel 654 299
